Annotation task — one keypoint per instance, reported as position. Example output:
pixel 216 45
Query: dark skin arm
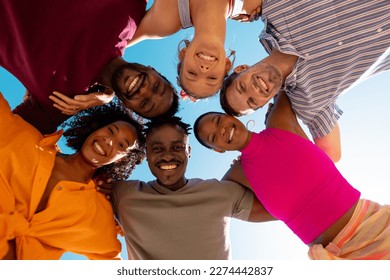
pixel 281 116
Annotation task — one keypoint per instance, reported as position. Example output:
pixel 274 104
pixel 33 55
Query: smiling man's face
pixel 167 152
pixel 143 90
pixel 253 87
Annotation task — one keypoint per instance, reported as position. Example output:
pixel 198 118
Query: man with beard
pixel 317 51
pixel 69 46
pixel 174 217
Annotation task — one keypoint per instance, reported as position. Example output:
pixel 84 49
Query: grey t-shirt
pixel 190 223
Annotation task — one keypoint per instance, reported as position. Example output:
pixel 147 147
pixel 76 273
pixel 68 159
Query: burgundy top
pixel 62 45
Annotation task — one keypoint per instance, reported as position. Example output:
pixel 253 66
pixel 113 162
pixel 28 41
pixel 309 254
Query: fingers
pixel 65 104
pixel 105 187
pixel 255 14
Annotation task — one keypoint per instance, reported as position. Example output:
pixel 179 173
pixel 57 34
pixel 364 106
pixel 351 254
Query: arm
pixel 259 213
pixel 331 143
pixel 160 21
pixel 283 117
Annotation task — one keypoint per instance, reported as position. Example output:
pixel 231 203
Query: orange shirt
pixel 77 218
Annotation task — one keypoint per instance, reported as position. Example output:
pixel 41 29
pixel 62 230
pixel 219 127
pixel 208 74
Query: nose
pixel 167 156
pixel 204 68
pixel 146 91
pixel 108 141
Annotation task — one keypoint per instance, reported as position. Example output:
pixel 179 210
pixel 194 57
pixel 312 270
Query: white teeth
pixel 206 57
pixel 263 84
pixel 99 149
pixel 231 134
pixel 133 83
pixel 168 167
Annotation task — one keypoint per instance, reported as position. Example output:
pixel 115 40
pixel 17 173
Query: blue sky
pixel 364 131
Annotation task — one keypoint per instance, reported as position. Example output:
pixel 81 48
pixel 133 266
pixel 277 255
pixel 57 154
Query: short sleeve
pixel 241 198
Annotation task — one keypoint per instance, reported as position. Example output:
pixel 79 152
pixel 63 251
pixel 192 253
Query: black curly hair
pixel 155 123
pixel 80 126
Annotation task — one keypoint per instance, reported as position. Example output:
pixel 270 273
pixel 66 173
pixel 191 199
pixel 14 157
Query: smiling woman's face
pixel 109 143
pixel 204 66
pixel 222 132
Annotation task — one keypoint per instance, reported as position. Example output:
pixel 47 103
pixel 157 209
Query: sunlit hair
pixel 80 126
pixel 196 128
pixel 223 98
pixel 174 121
pixel 184 44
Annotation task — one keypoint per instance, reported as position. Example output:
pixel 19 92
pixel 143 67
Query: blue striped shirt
pixel 338 43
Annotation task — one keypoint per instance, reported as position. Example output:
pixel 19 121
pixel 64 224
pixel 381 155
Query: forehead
pixel 167 133
pixel 124 127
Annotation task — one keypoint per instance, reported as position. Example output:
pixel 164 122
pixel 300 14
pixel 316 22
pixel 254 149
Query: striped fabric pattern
pixel 339 44
pixel 365 237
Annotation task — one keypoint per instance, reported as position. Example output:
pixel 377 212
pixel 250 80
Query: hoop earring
pixel 248 124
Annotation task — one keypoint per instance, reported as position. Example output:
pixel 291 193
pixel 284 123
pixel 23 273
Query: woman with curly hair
pixel 49 203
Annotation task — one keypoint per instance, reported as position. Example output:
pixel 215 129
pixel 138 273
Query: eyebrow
pixel 114 125
pixel 249 104
pixel 117 130
pixel 237 86
pixel 213 83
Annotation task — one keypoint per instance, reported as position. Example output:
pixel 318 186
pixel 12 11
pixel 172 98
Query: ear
pixel 182 53
pixel 219 151
pixel 240 68
pixel 228 66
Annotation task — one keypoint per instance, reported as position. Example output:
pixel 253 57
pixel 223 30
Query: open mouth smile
pixel 99 149
pixel 229 133
pixel 168 167
pixel 260 85
pixel 204 56
pixel 135 85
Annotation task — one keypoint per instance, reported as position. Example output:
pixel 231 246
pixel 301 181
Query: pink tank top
pixel 296 182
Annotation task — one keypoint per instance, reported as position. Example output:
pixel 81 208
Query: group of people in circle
pixel 72 65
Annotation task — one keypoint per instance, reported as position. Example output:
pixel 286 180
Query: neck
pixel 75 168
pixel 282 61
pixel 248 139
pixel 110 69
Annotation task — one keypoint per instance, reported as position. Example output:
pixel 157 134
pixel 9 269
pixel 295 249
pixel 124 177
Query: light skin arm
pixel 331 143
pixel 160 21
pixel 283 117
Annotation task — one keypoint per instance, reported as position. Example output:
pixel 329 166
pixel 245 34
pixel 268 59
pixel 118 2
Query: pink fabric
pixel 296 182
pixel 62 45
